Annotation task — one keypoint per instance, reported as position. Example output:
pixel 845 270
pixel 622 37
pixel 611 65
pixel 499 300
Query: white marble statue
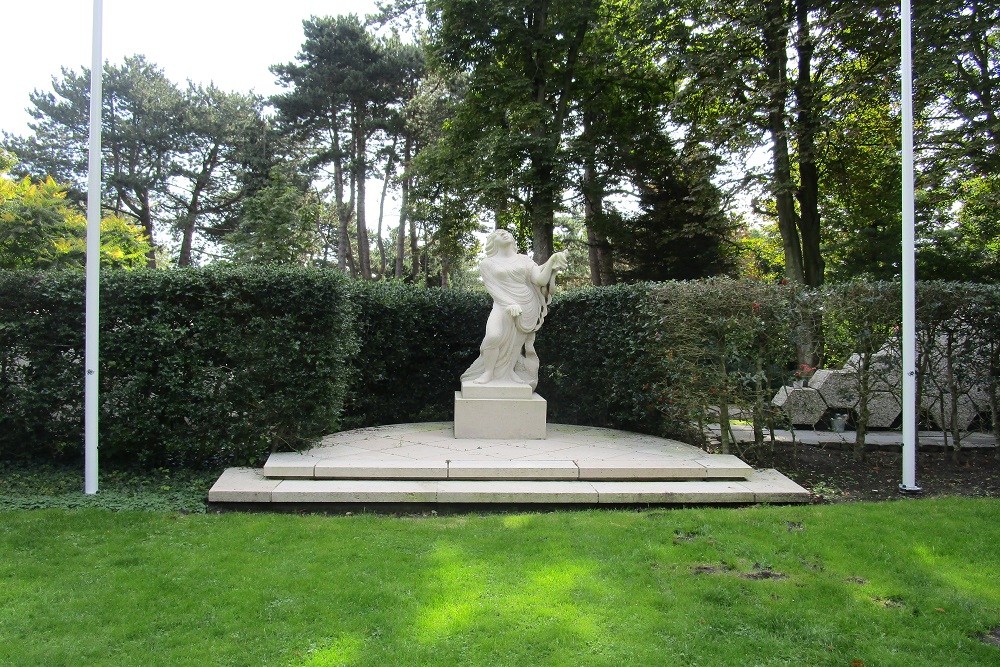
pixel 521 292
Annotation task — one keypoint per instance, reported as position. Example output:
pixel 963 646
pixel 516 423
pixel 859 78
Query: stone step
pixel 891 440
pixel 248 485
pixel 292 465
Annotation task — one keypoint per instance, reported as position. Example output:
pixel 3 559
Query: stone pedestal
pixel 499 410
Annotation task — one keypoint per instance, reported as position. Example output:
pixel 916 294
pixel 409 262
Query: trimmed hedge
pixel 601 360
pixel 414 346
pixel 213 365
pixel 223 365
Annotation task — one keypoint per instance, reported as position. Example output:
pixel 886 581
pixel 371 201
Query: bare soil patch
pixel 835 475
pixel 992 637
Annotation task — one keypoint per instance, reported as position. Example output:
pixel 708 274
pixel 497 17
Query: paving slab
pixel 770 486
pixel 290 464
pixel 590 452
pixel 381 469
pixel 723 466
pixel 363 455
pixel 547 446
pixel 377 443
pixel 426 437
pixel 506 452
pixel 425 463
pixel 354 491
pixel 682 492
pixel 478 456
pixel 512 470
pixel 633 455
pixel 418 452
pixel 322 451
pixel 516 492
pixel 632 469
pixel 248 486
pixel 242 485
pixel 568 428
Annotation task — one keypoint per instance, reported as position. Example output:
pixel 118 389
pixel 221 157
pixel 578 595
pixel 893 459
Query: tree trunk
pixel 361 173
pixel 758 400
pixel 548 136
pixel 414 251
pixel 542 212
pixel 796 233
pixel 187 241
pixel 807 127
pixel 425 261
pixel 140 208
pixel 775 47
pixel 602 268
pixel 724 427
pixel 593 252
pixel 194 207
pixel 347 213
pixel 146 221
pixel 953 392
pixel 863 411
pixel 404 203
pixel 389 164
pixel 995 405
pixel 598 248
pixel 591 212
pixel 343 239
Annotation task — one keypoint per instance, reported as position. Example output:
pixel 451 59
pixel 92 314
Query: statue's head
pixel 497 240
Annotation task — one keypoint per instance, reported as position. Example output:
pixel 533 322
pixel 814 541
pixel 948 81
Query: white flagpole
pixel 909 333
pixel 92 326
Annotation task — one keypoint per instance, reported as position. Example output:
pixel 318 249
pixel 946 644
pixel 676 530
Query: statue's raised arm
pixel 546 273
pixel 521 292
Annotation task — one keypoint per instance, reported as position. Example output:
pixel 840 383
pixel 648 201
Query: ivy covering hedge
pixel 223 365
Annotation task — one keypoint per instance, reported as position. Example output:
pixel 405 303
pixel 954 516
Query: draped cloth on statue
pixel 510 281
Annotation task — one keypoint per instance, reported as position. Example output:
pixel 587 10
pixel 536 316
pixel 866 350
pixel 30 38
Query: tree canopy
pixel 41 229
pixel 657 140
pixel 174 161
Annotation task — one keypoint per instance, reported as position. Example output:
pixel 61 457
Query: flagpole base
pixel 910 490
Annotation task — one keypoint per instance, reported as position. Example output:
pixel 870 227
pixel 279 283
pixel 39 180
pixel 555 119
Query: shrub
pixel 601 359
pixel 41 362
pixel 198 366
pixel 414 345
pixel 958 360
pixel 981 314
pixel 862 325
pixel 727 344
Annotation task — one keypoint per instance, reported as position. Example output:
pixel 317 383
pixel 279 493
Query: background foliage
pixel 41 228
pixel 682 139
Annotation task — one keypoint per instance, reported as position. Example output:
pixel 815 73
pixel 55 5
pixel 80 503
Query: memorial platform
pixel 411 466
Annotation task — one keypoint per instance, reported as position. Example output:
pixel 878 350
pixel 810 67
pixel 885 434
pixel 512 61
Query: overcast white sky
pixel 228 42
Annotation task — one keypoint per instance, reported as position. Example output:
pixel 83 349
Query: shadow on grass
pixel 573 588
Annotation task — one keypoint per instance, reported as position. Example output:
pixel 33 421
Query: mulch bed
pixel 834 475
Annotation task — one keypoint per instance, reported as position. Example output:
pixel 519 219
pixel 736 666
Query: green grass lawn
pixel 902 583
